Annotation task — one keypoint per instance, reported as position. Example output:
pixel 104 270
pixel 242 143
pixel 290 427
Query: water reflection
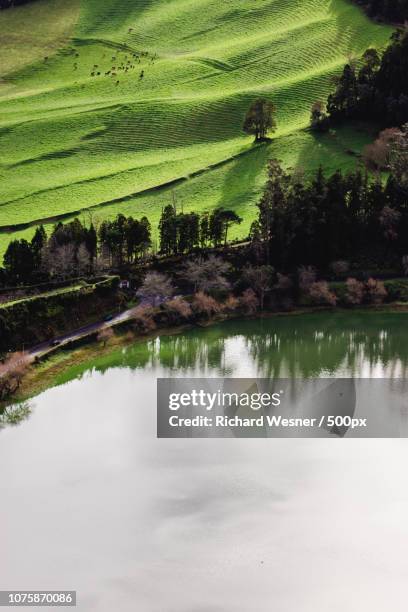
pixel 302 346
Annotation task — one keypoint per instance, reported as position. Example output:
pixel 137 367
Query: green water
pixel 361 344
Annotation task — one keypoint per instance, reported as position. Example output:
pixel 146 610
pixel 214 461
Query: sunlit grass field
pixel 122 105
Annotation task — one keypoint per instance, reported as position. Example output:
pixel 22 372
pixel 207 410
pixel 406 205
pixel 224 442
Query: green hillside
pixel 83 130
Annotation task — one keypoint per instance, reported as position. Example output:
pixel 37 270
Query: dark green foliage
pixel 260 119
pixel 125 238
pixel 378 90
pixel 19 261
pixel 36 319
pixel 342 217
pixel 181 233
pixel 394 11
pixel 397 290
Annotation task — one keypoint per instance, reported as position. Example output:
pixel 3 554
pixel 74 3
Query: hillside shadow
pixel 245 177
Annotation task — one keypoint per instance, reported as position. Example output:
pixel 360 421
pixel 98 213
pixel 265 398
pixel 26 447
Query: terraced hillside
pixel 111 106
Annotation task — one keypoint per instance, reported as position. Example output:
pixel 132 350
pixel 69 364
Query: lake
pixel 92 501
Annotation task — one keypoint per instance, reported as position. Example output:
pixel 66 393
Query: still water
pixel 91 501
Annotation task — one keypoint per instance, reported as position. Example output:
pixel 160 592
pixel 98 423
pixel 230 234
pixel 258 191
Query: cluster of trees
pixel 182 232
pixel 70 249
pixel 333 218
pixel 124 239
pixel 375 89
pixel 73 249
pixel 394 11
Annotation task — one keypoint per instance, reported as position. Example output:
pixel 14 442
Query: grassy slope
pixel 70 141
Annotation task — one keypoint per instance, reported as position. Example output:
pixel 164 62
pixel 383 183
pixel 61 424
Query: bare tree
pixel 105 335
pixel 399 157
pixel 376 291
pixel 231 304
pixel 142 316
pixel 83 260
pixel 260 280
pixel 377 155
pixel 204 304
pixel 206 275
pixel 249 301
pixel 12 371
pixel 320 294
pixel 59 262
pixel 178 308
pixel 156 287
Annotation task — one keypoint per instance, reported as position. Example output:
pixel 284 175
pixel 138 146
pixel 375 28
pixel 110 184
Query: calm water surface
pixel 91 500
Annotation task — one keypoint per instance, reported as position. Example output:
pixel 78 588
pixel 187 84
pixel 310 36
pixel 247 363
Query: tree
pixel 377 155
pixel 178 308
pixel 354 291
pixel 318 117
pixel 37 243
pixel 168 230
pixel 91 243
pixel 188 232
pixel 376 291
pixel 399 157
pixel 206 275
pixel 19 261
pixel 320 294
pixel 12 371
pixel 83 258
pixel 206 305
pixel 105 335
pixel 156 287
pixel 260 119
pixel 260 279
pixel 249 301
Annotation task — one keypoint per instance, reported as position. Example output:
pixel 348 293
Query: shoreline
pixel 41 375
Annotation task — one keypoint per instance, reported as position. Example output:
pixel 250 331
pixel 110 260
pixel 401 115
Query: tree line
pixel 340 217
pixel 374 89
pixel 73 249
pixel 394 11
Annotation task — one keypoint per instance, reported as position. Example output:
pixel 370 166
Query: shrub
pixel 204 304
pixel 155 288
pixel 105 335
pixel 376 291
pixel 397 290
pixel 12 371
pixel 354 291
pixel 178 308
pixel 143 318
pixel 320 294
pixel 249 301
pixel 231 304
pixel 260 278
